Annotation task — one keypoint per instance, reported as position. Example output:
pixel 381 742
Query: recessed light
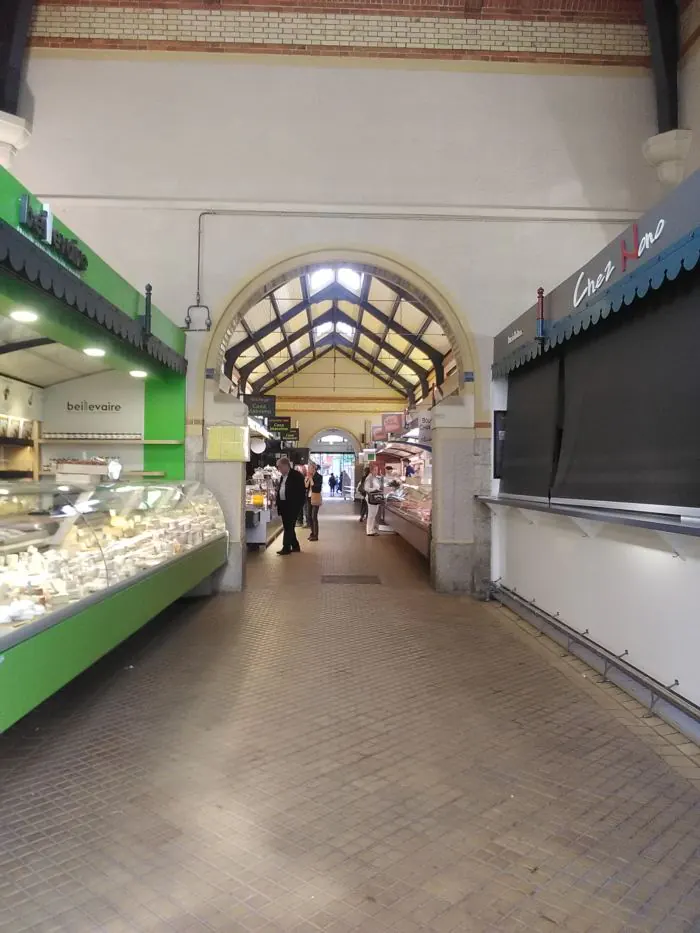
pixel 64 488
pixel 94 351
pixel 4 492
pixel 24 317
pixel 138 373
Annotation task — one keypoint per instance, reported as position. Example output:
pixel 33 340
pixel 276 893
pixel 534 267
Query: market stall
pixel 262 523
pixel 409 493
pixel 596 497
pixel 92 388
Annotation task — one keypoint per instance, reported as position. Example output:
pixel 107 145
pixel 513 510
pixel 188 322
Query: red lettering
pixel 634 252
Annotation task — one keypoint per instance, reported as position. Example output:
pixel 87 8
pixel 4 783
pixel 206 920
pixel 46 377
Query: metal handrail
pixel 610 660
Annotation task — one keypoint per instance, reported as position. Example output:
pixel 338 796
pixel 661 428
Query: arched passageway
pixel 342 338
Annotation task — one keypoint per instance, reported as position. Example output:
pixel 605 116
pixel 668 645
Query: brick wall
pixel 607 32
pixel 690 24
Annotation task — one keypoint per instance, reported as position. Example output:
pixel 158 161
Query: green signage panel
pixel 260 406
pixel 279 424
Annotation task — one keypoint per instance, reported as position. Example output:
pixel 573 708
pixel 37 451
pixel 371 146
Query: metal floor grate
pixel 349 578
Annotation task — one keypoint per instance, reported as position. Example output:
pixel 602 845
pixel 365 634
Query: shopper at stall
pixel 363 495
pixel 290 498
pixel 315 499
pixel 332 483
pixel 373 489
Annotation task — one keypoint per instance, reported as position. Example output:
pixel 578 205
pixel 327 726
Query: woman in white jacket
pixel 373 483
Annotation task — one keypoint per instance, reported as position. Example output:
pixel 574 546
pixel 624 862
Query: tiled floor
pixel 316 757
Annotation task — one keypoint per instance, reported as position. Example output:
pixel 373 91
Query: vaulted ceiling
pixel 379 327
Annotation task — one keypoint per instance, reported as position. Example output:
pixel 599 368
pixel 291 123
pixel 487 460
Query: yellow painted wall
pixel 334 392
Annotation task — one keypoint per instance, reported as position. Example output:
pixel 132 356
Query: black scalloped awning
pixel 680 258
pixel 28 262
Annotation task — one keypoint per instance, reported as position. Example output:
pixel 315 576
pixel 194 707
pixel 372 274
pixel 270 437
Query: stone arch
pixel 395 271
pixel 354 440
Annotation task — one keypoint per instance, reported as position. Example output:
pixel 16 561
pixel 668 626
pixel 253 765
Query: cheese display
pixel 62 544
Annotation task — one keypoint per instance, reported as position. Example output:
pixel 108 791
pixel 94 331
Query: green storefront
pixel 92 388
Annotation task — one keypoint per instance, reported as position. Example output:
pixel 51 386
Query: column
pixel 14 136
pixel 207 405
pixel 460 548
pixel 668 153
pixel 227 482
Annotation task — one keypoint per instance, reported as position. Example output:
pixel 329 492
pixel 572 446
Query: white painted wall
pixel 118 402
pixel 690 103
pixel 628 593
pixel 490 184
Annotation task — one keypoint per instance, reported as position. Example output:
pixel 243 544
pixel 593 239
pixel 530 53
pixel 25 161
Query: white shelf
pixel 61 441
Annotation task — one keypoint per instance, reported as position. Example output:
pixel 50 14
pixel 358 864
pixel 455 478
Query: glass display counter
pixel 262 523
pixel 116 554
pixel 408 511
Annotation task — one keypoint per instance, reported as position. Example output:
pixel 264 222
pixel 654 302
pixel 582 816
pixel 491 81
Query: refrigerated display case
pixel 83 567
pixel 408 511
pixel 262 523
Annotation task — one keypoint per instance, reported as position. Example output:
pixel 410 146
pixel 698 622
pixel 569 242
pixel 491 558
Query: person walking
pixel 307 497
pixel 373 489
pixel 363 495
pixel 315 499
pixel 290 498
pixel 332 483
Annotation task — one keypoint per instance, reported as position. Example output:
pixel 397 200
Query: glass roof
pixel 338 307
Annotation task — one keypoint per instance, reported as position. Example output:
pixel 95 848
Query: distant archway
pixel 344 441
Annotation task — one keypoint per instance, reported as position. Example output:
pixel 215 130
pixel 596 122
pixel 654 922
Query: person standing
pixel 307 497
pixel 373 489
pixel 315 499
pixel 363 495
pixel 332 483
pixel 300 519
pixel 290 498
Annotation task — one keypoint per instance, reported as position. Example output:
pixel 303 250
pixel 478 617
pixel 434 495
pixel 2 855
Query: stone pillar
pixel 667 153
pixel 460 548
pixel 227 482
pixel 14 135
pixel 207 405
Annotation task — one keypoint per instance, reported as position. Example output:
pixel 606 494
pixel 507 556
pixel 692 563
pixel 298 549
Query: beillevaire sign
pixel 661 227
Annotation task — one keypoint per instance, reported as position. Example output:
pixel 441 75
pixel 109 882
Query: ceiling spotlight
pixel 96 352
pixel 138 373
pixel 24 317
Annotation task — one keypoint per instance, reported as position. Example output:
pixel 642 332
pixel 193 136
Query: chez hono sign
pixel 587 286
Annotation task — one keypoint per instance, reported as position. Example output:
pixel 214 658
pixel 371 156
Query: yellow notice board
pixel 228 442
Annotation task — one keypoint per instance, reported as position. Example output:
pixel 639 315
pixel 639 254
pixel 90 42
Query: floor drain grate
pixel 349 578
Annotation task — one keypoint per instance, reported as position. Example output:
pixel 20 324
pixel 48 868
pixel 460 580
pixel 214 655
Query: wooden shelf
pixel 62 441
pixel 16 442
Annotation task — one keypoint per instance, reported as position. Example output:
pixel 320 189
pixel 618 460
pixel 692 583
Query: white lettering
pixel 648 240
pixel 514 336
pixel 588 288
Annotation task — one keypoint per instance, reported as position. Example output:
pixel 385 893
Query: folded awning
pixel 680 258
pixel 30 264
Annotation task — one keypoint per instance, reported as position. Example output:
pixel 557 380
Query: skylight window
pixel 319 279
pixel 350 279
pixel 333 439
pixel 323 330
pixel 345 330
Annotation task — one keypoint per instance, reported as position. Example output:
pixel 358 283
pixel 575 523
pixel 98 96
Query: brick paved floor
pixel 309 757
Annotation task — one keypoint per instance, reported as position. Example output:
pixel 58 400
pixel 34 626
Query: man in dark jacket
pixel 290 499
